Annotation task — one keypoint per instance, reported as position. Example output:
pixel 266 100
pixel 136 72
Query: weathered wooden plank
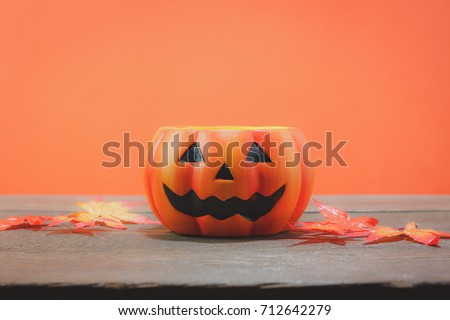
pixel 10 204
pixel 149 256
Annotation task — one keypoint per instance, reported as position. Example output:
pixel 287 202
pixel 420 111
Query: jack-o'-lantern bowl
pixel 227 181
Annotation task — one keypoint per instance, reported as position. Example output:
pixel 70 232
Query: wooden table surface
pixel 152 262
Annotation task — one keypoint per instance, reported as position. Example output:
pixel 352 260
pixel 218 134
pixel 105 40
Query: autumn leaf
pixel 428 237
pixel 338 221
pixel 111 214
pixel 18 222
pixel 340 217
pixel 330 212
pixel 34 220
pixel 54 221
pixel 364 222
pixel 383 233
pixel 321 226
pixel 11 222
pixel 442 235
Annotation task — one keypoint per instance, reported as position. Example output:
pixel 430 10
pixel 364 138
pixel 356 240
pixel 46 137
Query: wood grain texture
pixel 152 256
pixel 360 203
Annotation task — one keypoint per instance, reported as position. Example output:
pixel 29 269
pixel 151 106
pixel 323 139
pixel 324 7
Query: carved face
pixel 227 181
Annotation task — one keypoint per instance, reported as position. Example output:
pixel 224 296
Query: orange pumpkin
pixel 240 192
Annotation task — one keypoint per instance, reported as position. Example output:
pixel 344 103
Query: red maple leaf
pixel 11 222
pixel 338 221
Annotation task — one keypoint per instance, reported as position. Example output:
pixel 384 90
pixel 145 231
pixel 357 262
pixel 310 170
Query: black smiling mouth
pixel 252 209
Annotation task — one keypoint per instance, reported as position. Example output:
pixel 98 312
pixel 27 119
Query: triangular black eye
pixel 255 154
pixel 192 154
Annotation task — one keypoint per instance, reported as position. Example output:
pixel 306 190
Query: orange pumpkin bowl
pixel 227 181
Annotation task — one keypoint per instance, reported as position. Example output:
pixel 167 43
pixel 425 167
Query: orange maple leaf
pixel 380 233
pixel 338 221
pixel 428 237
pixel 425 236
pixel 11 222
pixel 111 214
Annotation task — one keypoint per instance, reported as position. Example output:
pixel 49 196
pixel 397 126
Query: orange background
pixel 75 74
